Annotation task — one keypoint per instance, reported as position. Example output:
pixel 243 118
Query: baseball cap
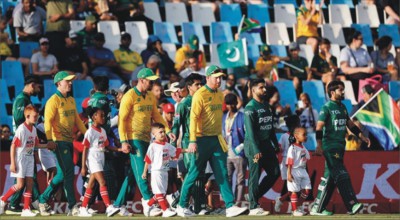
pixel 265 49
pixel 173 88
pixel 99 37
pixel 168 108
pixel 32 79
pixel 63 75
pixel 85 102
pixel 43 40
pixel 294 46
pixel 123 88
pixel 147 73
pixel 194 42
pixel 125 35
pixel 182 84
pixel 91 18
pixel 72 34
pixel 214 71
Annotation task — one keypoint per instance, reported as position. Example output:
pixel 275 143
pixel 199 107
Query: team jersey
pixel 284 144
pixel 182 117
pixel 100 100
pixel 160 154
pixel 206 113
pixel 307 30
pixel 335 116
pixel 136 113
pixel 95 139
pixel 25 139
pixel 297 156
pixel 61 117
pixel 20 102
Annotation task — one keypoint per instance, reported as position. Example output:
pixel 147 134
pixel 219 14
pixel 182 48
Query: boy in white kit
pixel 297 176
pixel 158 156
pixel 23 161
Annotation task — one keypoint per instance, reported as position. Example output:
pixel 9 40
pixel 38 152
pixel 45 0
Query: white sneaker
pixel 124 212
pixel 28 213
pixel 111 210
pixel 297 213
pixel 235 211
pixel 204 212
pixel 74 211
pixel 168 213
pixel 43 209
pixel 258 212
pixel 35 204
pixel 184 212
pixel 83 212
pixel 92 211
pixel 146 207
pixel 2 205
pixel 278 204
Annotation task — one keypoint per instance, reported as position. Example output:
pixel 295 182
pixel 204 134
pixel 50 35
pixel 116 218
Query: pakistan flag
pixel 233 54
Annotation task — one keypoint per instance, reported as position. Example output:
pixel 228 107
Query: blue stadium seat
pixel 349 106
pixel 231 13
pixel 311 143
pixel 315 89
pixel 13 75
pixel 252 38
pixel 114 83
pixel 6 4
pixel 166 32
pixel 78 103
pixel 221 32
pixel 259 12
pixel 253 52
pixel 394 89
pixel 7 119
pixel 390 30
pixel 4 95
pixel 190 28
pixel 49 90
pixel 278 50
pixel 278 135
pixel 293 2
pixel 346 2
pixel 81 88
pixel 365 30
pixel 287 93
pixel 26 48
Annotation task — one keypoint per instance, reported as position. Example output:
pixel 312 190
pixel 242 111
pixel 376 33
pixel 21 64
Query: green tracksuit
pixel 182 118
pixel 260 138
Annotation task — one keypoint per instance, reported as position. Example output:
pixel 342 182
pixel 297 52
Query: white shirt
pixel 25 139
pixel 159 156
pixel 297 156
pixel 45 63
pixel 95 139
pixel 284 144
pixel 361 57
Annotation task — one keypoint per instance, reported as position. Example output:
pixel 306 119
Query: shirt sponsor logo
pixel 216 107
pixel 144 108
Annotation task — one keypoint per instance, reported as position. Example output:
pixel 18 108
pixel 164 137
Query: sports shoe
pixel 111 210
pixel 74 211
pixel 28 213
pixel 35 204
pixel 43 209
pixel 146 207
pixel 13 210
pixel 278 204
pixel 203 212
pixel 235 211
pixel 2 205
pixel 92 211
pixel 83 212
pixel 356 208
pixel 124 212
pixel 168 213
pixel 297 213
pixel 258 212
pixel 184 212
pixel 323 213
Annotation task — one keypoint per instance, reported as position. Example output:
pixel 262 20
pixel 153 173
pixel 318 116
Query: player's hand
pixel 84 171
pixel 192 148
pixel 51 145
pixel 144 176
pixel 318 150
pixel 289 177
pixel 13 169
pixel 126 147
pixel 365 139
pixel 172 136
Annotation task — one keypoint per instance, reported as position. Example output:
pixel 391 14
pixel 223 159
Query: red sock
pixel 293 200
pixel 27 200
pixel 86 198
pixel 9 193
pixel 152 201
pixel 162 201
pixel 104 195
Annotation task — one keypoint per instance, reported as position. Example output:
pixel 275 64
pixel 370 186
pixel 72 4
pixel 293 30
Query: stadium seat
pixel 287 93
pixel 26 48
pixel 190 28
pixel 77 25
pixel 4 95
pixel 253 52
pixel 6 4
pixel 231 13
pixel 170 49
pixel 214 54
pixel 340 13
pixel 306 52
pixel 285 13
pixel 176 13
pixel 367 14
pixel 203 13
pixel 166 32
pixel 81 88
pixel 334 33
pixel 13 75
pixel 315 89
pixel 138 31
pixel 111 32
pixel 252 38
pixel 349 106
pixel 394 89
pixel 335 51
pixel 287 2
pixel 278 50
pixel 138 47
pixel 7 119
pixel 349 92
pixel 78 104
pixel 276 33
pixel 391 30
pixel 258 12
pixel 49 90
pixel 152 11
pixel 340 2
pixel 114 83
pixel 220 32
pixel 366 33
pixel 311 143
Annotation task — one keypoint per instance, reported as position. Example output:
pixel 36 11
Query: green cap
pixel 147 73
pixel 194 42
pixel 63 75
pixel 214 71
pixel 91 18
pixel 265 49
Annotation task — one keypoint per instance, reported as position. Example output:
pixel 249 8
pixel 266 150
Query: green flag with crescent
pixel 233 54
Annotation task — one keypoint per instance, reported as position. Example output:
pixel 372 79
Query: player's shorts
pixel 24 165
pixel 47 159
pixel 283 168
pixel 301 180
pixel 159 182
pixel 95 161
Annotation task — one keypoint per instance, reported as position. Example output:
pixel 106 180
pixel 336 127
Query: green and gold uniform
pixel 260 138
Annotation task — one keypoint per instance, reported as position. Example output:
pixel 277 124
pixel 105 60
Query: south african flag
pixel 381 116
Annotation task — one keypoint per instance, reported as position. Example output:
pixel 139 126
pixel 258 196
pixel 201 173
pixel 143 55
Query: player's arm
pixel 195 114
pixel 274 141
pixel 318 136
pixel 289 173
pixel 125 108
pixel 145 170
pixel 79 123
pixel 13 168
pixel 356 131
pixel 177 120
pixel 86 145
pixel 249 126
pixel 289 163
pixel 50 114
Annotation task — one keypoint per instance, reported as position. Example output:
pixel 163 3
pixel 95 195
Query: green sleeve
pixel 249 126
pixel 179 115
pixel 323 114
pixel 18 111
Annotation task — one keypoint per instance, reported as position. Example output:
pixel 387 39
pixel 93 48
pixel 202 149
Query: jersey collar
pixel 210 90
pixel 160 142
pixel 298 145
pixel 61 95
pixel 29 127
pixel 96 128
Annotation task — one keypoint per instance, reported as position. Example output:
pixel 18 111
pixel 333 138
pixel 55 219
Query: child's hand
pixel 289 177
pixel 84 171
pixel 144 175
pixel 13 169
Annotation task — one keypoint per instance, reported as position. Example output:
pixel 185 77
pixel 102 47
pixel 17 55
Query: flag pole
pixel 292 66
pixel 240 26
pixel 377 93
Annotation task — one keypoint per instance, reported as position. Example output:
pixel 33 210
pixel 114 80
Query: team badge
pixel 336 156
pixel 65 151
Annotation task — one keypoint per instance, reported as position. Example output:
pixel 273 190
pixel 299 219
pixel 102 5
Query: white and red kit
pixel 297 156
pixel 96 140
pixel 284 145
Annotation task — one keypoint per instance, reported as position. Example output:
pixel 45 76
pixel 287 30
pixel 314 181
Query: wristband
pixel 318 135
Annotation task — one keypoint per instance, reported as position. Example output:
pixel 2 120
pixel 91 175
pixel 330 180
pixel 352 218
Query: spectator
pixel 308 19
pixel 28 21
pixel 272 98
pixel 75 59
pixel 137 14
pixel 152 63
pixel 384 61
pixel 6 43
pixel 299 62
pixel 392 9
pixel 86 35
pixel 168 113
pixel 355 61
pixel 193 65
pixel 84 8
pixel 324 65
pixel 307 114
pixel 173 77
pixel 157 91
pixel 5 137
pixel 265 63
pixel 176 92
pixel 127 59
pixel 189 50
pixel 102 59
pixel 231 87
pixel 44 64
